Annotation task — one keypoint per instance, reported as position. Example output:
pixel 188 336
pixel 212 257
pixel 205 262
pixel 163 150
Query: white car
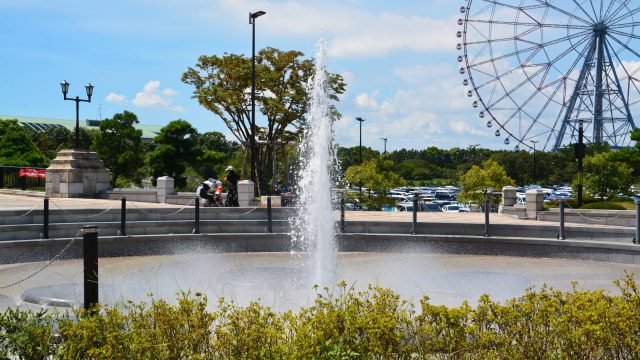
pixel 451 208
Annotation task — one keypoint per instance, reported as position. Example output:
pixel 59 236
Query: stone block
pixel 276 201
pixel 509 196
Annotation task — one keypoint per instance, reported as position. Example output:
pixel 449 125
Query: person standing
pixel 232 181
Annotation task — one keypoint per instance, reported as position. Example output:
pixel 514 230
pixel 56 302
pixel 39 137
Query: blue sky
pixel 398 58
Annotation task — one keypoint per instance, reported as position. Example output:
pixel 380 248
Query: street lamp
pixel 65 89
pixel 252 21
pixel 385 144
pixel 534 142
pixel 360 120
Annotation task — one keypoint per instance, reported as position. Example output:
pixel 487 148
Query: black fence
pixel 22 177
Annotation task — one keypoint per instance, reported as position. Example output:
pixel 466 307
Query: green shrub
pixel 348 324
pixel 605 205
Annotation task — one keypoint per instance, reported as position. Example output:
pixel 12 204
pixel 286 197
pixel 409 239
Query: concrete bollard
pixel 90 256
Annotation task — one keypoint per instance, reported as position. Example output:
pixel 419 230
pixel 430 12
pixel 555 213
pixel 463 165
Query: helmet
pixel 230 168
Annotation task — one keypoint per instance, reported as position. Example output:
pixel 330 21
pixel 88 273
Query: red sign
pixel 33 173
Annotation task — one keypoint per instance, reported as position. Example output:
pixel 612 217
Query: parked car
pixel 451 208
pixel 431 206
pixel 405 206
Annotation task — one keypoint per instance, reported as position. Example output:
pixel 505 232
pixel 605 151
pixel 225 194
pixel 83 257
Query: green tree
pixel 221 84
pixel 16 148
pixel 478 181
pixel 175 148
pixel 605 178
pixel 119 145
pixel 52 140
pixel 375 175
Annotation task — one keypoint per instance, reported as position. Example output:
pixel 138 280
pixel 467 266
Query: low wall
pixel 592 216
pixel 41 250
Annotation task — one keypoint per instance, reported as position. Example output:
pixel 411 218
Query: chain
pixel 25 214
pixel 245 213
pixel 591 219
pixel 173 213
pixel 94 215
pixel 43 267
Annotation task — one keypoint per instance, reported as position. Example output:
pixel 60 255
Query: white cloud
pixel 364 100
pixel 154 97
pixel 116 98
pixel 352 32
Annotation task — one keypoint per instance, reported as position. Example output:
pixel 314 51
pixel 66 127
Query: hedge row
pixel 349 324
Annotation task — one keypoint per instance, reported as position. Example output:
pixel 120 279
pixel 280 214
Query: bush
pixel 349 324
pixel 605 205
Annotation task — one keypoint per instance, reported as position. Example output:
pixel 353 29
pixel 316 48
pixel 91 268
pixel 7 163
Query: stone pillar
pixel 76 174
pixel 276 201
pixel 165 187
pixel 509 196
pixel 245 193
pixel 535 203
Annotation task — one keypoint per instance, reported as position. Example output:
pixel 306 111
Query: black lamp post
pixel 252 21
pixel 65 90
pixel 534 142
pixel 360 120
pixel 385 144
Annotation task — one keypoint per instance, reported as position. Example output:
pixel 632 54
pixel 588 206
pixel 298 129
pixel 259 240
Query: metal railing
pixel 22 177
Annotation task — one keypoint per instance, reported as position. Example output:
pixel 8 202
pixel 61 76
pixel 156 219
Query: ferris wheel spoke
pixel 535 25
pixel 625 25
pixel 537 47
pixel 616 11
pixel 622 17
pixel 624 33
pixel 564 12
pixel 583 10
pixel 606 13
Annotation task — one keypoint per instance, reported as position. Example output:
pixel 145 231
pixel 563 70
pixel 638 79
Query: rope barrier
pixel 46 265
pixel 25 214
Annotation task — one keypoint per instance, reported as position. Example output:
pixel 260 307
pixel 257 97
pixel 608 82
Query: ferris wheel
pixel 538 70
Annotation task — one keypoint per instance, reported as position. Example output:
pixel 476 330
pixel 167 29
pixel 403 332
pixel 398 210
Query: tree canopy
pixel 16 147
pixel 479 181
pixel 175 148
pixel 222 85
pixel 119 145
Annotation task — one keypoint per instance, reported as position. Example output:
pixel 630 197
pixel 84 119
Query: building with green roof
pixel 44 124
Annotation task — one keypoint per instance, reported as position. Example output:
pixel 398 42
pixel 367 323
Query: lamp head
pixel 253 16
pixel 89 88
pixel 360 119
pixel 65 87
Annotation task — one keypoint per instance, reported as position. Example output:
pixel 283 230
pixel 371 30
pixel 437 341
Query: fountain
pixel 447 269
pixel 314 226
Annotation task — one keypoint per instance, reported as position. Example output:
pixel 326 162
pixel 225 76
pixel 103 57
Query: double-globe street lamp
pixel 252 22
pixel 65 90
